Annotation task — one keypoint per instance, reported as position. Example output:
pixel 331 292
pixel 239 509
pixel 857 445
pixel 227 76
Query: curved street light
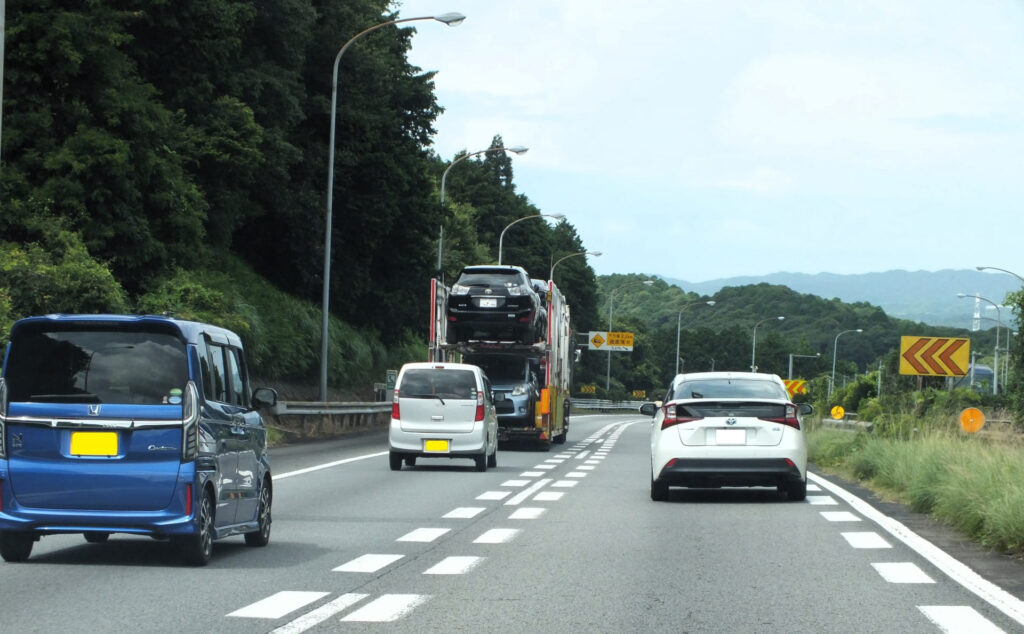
pixel 679 319
pixel 792 355
pixel 551 273
pixel 753 344
pixel 983 268
pixel 835 344
pixel 517 149
pixel 611 298
pixel 995 361
pixel 450 19
pixel 501 238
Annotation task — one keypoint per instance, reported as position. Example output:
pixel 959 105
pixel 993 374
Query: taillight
pixel 672 418
pixel 527 318
pixel 3 417
pixel 188 499
pixel 395 412
pixel 190 423
pixel 479 405
pixel 788 418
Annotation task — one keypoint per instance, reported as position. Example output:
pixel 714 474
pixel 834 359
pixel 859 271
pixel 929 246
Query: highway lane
pixel 545 542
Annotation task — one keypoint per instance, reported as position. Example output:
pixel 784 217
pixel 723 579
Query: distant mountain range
pixel 925 296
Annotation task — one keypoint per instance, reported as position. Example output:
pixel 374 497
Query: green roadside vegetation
pixel 923 459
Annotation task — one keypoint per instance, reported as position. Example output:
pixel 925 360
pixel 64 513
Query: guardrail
pixel 314 408
pixel 318 420
pixel 605 405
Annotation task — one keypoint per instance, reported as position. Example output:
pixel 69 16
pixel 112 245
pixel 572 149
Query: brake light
pixel 526 318
pixel 672 418
pixel 395 412
pixel 190 422
pixel 789 418
pixel 479 406
pixel 188 499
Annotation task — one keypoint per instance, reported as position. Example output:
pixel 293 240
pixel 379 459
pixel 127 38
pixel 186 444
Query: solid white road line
pixel 958 619
pixel 464 513
pixel 520 497
pixel 866 540
pixel 902 572
pixel 840 516
pixel 454 566
pixel 998 598
pixel 386 608
pixel 282 476
pixel 277 605
pixel 368 563
pixel 423 535
pixel 497 536
pixel 319 615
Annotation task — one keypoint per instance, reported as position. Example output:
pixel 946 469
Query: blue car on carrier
pixel 130 424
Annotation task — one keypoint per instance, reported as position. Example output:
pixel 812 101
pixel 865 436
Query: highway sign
pixel 588 389
pixel 605 340
pixel 639 393
pixel 934 356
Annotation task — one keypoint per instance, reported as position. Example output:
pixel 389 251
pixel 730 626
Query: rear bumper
pixel 412 443
pixel 718 472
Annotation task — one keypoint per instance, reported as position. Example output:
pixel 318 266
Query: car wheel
pixel 395 460
pixel 15 547
pixel 659 490
pixel 198 549
pixel 96 537
pixel 410 461
pixel 492 460
pixel 797 491
pixel 261 536
pixel 481 460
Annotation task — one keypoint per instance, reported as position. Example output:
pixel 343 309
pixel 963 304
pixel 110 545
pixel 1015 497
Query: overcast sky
pixel 714 138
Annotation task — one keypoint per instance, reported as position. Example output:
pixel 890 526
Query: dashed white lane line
pixel 531 474
pixel 546 467
pixel 548 496
pixel 493 495
pixel 554 461
pixel 902 572
pixel 566 484
pixel 454 566
pixel 585 467
pixel 386 608
pixel 497 536
pixel 593 462
pixel 582 455
pixel 515 483
pixel 576 474
pixel 319 615
pixel 958 619
pixel 464 513
pixel 520 497
pixel 821 500
pixel 866 540
pixel 813 487
pixel 423 535
pixel 840 516
pixel 277 605
pixel 527 513
pixel 368 563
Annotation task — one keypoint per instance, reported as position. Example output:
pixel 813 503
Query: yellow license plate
pixel 94 443
pixel 435 446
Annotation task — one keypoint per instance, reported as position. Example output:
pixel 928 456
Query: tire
pixel 797 491
pixel 261 536
pixel 481 461
pixel 410 461
pixel 96 537
pixel 395 460
pixel 492 460
pixel 16 547
pixel 659 490
pixel 197 550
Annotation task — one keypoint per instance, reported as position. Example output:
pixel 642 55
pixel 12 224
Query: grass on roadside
pixel 974 485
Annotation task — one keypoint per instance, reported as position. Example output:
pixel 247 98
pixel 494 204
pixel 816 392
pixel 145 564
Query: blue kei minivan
pixel 130 424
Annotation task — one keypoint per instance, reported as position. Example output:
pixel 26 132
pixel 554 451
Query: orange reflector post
pixel 545 401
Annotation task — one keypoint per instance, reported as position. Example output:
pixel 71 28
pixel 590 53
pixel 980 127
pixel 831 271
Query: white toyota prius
pixel 718 429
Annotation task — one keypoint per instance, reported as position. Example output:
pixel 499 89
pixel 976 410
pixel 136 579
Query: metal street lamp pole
pixel 995 361
pixel 804 356
pixel 835 344
pixel 444 177
pixel 982 268
pixel 753 344
pixel 551 273
pixel 451 19
pixel 679 320
pixel 611 298
pixel 501 238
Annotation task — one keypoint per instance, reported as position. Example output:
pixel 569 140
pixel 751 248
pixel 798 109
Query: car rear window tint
pixel 428 383
pixel 489 279
pixel 96 366
pixel 729 388
pixel 733 409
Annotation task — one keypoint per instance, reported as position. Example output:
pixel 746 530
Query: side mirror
pixel 648 409
pixel 805 408
pixel 264 398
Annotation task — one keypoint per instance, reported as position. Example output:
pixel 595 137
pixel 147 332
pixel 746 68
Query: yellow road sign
pixel 972 420
pixel 838 412
pixel 934 356
pixel 639 393
pixel 605 340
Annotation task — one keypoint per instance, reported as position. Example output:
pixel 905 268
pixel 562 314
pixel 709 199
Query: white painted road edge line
pixel 992 594
pixel 282 476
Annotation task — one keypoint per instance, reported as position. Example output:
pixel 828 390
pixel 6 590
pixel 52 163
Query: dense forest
pixel 172 156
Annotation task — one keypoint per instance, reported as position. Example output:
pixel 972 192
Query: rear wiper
pixel 64 398
pixel 696 395
pixel 427 396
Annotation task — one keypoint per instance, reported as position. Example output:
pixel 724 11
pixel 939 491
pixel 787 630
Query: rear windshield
pixel 729 388
pixel 490 278
pixel 431 382
pixel 96 366
pixel 500 369
pixel 732 409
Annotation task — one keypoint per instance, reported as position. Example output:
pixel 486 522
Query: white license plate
pixel 730 436
pixel 488 302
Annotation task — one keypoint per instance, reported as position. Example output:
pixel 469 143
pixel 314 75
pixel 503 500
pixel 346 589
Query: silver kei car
pixel 718 429
pixel 443 410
